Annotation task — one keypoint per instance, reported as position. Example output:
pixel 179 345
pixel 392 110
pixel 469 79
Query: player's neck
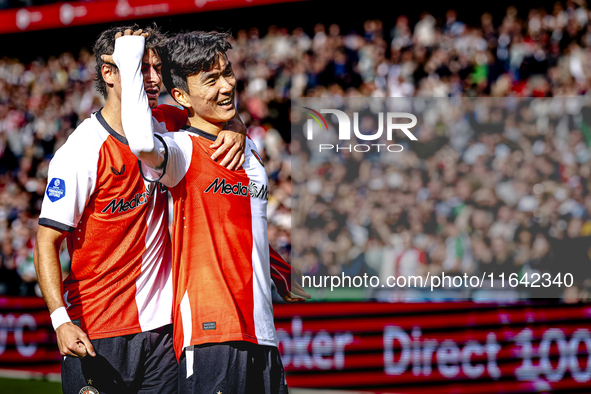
pixel 112 114
pixel 204 125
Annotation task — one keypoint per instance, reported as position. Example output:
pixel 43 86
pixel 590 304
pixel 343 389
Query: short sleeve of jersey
pixel 179 149
pixel 174 118
pixel 71 182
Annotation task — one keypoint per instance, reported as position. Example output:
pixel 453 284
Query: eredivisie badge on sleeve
pixel 56 189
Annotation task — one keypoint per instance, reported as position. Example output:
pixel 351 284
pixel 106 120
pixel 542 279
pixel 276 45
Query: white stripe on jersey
pixel 186 317
pixel 154 284
pixel 263 307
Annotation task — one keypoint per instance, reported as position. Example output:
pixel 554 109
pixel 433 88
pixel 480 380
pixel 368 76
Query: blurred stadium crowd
pixel 7 4
pixel 493 185
pixel 468 194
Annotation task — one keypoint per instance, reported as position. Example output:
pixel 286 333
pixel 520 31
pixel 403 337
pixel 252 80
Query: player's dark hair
pixel 105 45
pixel 190 53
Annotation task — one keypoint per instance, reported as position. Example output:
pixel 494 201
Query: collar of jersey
pixel 103 122
pixel 199 132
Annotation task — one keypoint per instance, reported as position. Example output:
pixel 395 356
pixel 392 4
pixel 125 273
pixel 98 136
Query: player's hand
pixel 232 142
pixel 72 341
pixel 128 32
pixel 297 293
pixel 234 139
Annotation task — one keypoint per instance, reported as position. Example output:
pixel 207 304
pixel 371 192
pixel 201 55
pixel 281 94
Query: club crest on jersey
pixel 255 154
pixel 88 390
pixel 56 189
pixel 118 174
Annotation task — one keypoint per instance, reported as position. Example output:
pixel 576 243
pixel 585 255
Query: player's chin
pixel 226 114
pixel 153 102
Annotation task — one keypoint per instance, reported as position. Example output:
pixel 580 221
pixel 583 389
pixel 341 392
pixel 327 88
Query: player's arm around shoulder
pixel 233 140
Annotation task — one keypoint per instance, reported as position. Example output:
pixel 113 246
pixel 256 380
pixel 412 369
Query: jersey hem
pixel 232 337
pixel 120 333
pixel 267 342
pixel 55 224
pixel 112 334
pixel 155 326
pixel 127 331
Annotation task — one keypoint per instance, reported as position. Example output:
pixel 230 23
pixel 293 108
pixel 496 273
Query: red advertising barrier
pixel 89 12
pixel 450 347
pixel 27 339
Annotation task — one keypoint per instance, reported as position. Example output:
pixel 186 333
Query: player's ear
pixel 181 97
pixel 110 73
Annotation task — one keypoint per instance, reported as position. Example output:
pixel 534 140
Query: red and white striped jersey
pixel 221 265
pixel 172 118
pixel 120 280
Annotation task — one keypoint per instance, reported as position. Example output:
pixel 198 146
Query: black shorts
pixel 141 363
pixel 231 368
